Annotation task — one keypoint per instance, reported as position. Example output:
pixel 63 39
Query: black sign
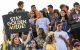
pixel 16 22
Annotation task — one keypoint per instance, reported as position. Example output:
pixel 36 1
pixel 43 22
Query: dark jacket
pixel 18 10
pixel 72 21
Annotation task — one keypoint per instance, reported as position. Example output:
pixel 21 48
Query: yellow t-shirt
pixel 4 46
pixel 50 47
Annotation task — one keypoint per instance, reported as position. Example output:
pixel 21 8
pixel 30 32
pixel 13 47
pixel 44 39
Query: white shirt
pixel 43 23
pixel 61 45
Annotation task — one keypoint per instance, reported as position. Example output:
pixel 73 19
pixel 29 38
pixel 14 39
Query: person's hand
pixel 78 19
pixel 62 19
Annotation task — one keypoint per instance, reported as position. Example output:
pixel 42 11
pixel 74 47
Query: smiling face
pixel 76 7
pixel 33 8
pixel 59 27
pixel 62 13
pixel 33 44
pixel 16 40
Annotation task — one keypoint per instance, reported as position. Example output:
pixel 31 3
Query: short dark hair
pixel 32 6
pixel 20 3
pixel 76 3
pixel 58 23
pixel 61 6
pixel 50 6
pixel 26 33
pixel 67 7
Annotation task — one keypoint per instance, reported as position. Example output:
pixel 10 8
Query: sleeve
pixel 66 36
pixel 71 21
pixel 48 22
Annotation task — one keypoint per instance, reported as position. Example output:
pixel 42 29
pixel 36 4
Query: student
pixel 57 16
pixel 5 43
pixel 40 39
pixel 32 22
pixel 20 7
pixel 50 43
pixel 61 38
pixel 33 8
pixel 62 6
pixel 42 22
pixel 74 20
pixel 53 24
pixel 33 45
pixel 16 44
pixel 32 19
pixel 45 13
pixel 51 11
pixel 76 46
pixel 64 20
pixel 24 38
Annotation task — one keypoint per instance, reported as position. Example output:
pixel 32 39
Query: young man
pixel 61 38
pixel 74 21
pixel 20 7
pixel 33 8
pixel 51 11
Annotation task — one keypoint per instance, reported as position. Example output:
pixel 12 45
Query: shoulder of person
pixel 64 31
pixel 45 18
pixel 15 10
pixel 72 13
pixel 55 31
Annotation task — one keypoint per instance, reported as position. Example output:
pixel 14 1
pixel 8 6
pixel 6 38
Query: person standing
pixel 51 11
pixel 42 22
pixel 74 21
pixel 61 37
pixel 34 9
pixel 20 7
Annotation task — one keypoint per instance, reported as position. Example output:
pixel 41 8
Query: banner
pixel 16 22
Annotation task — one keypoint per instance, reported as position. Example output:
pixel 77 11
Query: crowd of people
pixel 50 29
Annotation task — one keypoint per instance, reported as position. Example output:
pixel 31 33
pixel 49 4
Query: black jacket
pixel 72 22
